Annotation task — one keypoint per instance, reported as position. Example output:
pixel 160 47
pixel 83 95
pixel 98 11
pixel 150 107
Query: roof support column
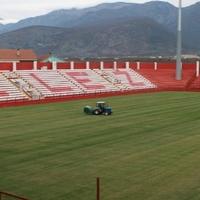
pixel 54 65
pixel 197 69
pixel 14 66
pixel 127 65
pixel 72 65
pixel 115 65
pixel 101 65
pixel 138 65
pixel 155 66
pixel 87 65
pixel 35 65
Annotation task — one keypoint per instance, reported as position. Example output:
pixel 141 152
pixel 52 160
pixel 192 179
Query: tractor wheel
pixel 96 112
pixel 106 114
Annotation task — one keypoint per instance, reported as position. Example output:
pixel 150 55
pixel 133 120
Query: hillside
pixel 89 31
pixel 162 12
pixel 135 37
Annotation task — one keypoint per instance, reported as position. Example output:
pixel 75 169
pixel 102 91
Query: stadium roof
pixel 17 55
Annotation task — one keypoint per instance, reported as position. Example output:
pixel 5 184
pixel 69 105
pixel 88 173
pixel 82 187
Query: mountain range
pixel 109 29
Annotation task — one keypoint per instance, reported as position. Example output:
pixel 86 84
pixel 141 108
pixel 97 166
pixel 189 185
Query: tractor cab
pixel 101 109
pixel 101 104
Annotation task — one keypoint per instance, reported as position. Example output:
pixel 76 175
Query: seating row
pixel 47 83
pixel 8 91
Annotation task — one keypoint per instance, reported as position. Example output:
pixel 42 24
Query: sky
pixel 15 10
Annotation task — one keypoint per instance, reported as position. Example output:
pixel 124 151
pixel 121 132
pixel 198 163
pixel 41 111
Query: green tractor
pixel 101 109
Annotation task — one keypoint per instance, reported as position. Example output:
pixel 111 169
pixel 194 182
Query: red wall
pixel 40 65
pixel 108 64
pixel 146 65
pixel 121 65
pixel 189 65
pixel 6 66
pixel 94 65
pixel 133 65
pixel 25 66
pixel 169 65
pixel 79 65
pixel 63 65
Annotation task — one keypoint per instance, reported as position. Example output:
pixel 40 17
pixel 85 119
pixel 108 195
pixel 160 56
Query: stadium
pixel 147 149
pixel 25 80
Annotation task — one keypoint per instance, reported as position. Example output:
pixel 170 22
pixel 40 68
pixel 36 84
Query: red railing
pixel 6 194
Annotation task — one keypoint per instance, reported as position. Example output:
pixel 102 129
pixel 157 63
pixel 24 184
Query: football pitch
pixel 149 149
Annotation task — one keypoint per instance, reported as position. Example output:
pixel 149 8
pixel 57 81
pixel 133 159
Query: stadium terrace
pixel 25 79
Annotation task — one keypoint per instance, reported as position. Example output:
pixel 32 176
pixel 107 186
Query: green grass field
pixel 149 149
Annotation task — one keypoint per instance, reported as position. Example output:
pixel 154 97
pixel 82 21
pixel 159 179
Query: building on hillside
pixel 11 58
pixel 17 55
pixel 49 58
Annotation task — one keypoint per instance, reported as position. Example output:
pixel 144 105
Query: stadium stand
pixel 23 85
pixel 50 83
pixel 89 81
pixel 37 84
pixel 8 91
pixel 103 78
pixel 126 79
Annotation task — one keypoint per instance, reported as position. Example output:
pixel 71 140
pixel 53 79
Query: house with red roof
pixel 10 59
pixel 17 55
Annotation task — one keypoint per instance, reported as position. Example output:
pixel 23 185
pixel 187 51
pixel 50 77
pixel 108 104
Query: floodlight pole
pixel 179 43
